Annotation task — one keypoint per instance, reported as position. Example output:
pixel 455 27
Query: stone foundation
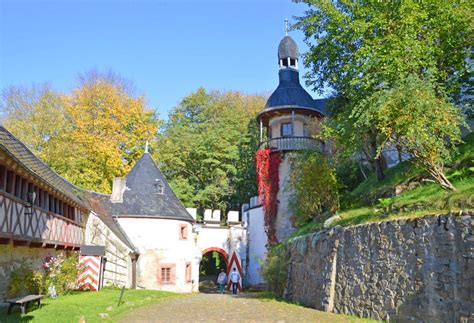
pixel 11 258
pixel 419 269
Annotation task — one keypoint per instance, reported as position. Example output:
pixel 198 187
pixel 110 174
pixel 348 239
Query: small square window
pixel 183 232
pixel 286 129
pixel 166 275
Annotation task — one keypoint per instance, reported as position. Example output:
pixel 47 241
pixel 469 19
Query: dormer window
pixel 286 129
pixel 160 187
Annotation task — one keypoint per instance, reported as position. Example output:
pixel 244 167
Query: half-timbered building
pixel 41 213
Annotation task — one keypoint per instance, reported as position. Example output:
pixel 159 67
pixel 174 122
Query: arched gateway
pixel 228 240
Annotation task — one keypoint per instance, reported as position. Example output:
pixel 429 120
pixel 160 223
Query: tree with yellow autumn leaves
pixel 89 136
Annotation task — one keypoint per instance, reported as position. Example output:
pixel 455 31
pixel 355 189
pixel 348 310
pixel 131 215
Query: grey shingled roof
pixel 141 197
pixel 23 156
pixel 290 93
pixel 287 48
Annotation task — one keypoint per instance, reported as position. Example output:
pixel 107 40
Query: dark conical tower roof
pixel 289 95
pixel 148 194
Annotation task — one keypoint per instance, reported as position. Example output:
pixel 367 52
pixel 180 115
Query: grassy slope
pixel 71 308
pixel 428 198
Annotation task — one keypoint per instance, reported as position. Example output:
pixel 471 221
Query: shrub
pixel 315 188
pixel 24 280
pixel 275 270
pixel 61 272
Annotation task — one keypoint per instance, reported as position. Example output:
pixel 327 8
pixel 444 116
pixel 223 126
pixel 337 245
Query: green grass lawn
pixel 71 308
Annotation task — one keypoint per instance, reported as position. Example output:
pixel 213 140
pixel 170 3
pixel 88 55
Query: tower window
pixel 292 62
pixel 286 129
pixel 284 62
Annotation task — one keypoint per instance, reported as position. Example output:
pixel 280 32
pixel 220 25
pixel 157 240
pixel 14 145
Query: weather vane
pixel 286 27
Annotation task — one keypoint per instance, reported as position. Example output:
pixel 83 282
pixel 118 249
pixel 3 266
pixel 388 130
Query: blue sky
pixel 167 48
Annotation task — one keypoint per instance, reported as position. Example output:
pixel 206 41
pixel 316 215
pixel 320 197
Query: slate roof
pixel 320 104
pixel 142 197
pixel 287 48
pixel 290 93
pixel 23 156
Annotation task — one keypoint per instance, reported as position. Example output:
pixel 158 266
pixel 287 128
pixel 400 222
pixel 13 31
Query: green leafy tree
pixel 37 116
pixel 359 48
pixel 315 187
pixel 422 124
pixel 206 149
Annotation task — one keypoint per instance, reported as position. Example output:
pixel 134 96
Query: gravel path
pixel 218 308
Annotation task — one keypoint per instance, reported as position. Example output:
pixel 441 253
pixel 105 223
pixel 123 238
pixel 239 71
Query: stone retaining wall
pixel 419 269
pixel 12 257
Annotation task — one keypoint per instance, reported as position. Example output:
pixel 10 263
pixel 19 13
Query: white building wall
pixel 283 222
pixel 257 242
pixel 159 243
pixel 118 264
pixel 214 237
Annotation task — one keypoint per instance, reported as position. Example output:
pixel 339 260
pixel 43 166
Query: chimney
pixel 118 187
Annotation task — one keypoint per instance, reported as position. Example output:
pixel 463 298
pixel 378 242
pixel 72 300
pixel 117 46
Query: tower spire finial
pixel 146 147
pixel 286 26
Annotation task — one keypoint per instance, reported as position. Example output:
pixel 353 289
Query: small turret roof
pixel 287 48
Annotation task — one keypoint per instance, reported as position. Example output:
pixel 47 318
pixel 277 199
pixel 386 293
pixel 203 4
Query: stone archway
pixel 219 250
pixel 213 260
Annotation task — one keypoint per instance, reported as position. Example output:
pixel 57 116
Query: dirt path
pixel 228 308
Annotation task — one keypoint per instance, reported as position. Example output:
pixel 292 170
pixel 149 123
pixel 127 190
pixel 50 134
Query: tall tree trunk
pixel 379 161
pixel 379 165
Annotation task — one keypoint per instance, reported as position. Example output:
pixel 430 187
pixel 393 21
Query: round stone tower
pixel 290 120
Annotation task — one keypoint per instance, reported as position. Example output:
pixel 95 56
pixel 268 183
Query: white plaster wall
pixel 283 224
pixel 299 121
pixel 118 266
pixel 218 237
pixel 238 238
pixel 158 243
pixel 257 241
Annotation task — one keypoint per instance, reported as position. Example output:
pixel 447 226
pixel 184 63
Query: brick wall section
pixel 420 269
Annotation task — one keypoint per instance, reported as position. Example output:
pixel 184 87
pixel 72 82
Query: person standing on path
pixel 222 280
pixel 234 278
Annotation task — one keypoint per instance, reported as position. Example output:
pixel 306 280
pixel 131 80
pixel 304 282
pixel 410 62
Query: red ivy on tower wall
pixel 268 181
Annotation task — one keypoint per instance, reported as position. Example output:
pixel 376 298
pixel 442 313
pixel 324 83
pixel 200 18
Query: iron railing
pixel 293 143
